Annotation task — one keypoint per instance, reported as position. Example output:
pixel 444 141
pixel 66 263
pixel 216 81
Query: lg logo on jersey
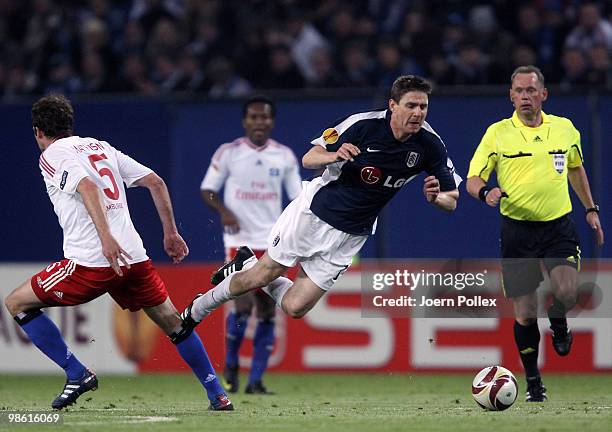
pixel 372 175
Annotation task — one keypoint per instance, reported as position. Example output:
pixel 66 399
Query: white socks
pixel 212 299
pixel 220 294
pixel 277 289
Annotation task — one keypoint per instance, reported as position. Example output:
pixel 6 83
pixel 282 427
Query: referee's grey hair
pixel 526 70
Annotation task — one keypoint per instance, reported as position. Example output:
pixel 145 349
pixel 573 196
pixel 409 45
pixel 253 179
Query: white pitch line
pixel 126 419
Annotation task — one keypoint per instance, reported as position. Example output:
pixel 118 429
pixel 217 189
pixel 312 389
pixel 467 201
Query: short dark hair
pixel 527 70
pixel 258 99
pixel 407 83
pixel 53 114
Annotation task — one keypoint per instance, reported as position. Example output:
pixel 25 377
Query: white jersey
pixel 63 165
pixel 253 178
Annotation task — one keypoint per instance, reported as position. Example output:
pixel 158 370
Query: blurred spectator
pixel 305 42
pixel 453 35
pixel 95 39
pixel 324 73
pixel 600 72
pixel 62 77
pixel 357 65
pixel 132 41
pixel 471 66
pixel 95 78
pixel 14 16
pixel 165 39
pixel 45 22
pixel 591 30
pixel 493 43
pixel 522 55
pixel 439 70
pixel 574 67
pixel 150 12
pixel 224 82
pixel 152 46
pixel 166 75
pixel 135 76
pixel 418 36
pixel 192 76
pixel 18 81
pixel 3 79
pixel 391 63
pixel 342 27
pixel 113 17
pixel 253 55
pixel 541 37
pixel 208 43
pixel 388 14
pixel 365 27
pixel 282 72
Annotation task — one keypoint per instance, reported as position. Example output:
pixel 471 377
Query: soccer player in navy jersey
pixel 367 157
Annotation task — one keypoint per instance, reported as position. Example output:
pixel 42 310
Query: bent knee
pixel 526 321
pixel 8 304
pixel 12 304
pixel 296 313
pixel 294 310
pixel 567 295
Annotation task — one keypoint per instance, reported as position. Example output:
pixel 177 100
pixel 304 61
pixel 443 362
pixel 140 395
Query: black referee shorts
pixel 525 244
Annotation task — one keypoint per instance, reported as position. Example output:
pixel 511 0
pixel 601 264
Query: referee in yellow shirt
pixel 534 154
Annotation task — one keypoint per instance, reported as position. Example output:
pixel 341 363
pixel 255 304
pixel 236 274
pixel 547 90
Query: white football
pixel 494 388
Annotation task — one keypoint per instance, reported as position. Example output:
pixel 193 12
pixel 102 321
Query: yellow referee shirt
pixel 531 165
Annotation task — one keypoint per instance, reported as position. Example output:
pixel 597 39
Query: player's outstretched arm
pixel 174 245
pixel 318 157
pixel 116 256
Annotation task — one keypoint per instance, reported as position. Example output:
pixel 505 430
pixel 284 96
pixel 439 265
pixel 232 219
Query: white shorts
pixel 324 252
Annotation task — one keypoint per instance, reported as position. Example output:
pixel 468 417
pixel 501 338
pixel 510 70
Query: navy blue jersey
pixel 350 195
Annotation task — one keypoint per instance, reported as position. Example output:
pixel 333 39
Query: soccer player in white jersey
pixel 103 253
pixel 367 157
pixel 252 170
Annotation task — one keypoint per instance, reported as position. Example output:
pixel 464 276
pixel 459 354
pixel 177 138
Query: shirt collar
pixel 249 143
pixel 516 121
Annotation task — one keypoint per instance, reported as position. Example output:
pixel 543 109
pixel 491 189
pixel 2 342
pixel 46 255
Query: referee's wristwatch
pixel 595 209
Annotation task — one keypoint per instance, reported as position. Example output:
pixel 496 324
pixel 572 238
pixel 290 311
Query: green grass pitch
pixel 314 402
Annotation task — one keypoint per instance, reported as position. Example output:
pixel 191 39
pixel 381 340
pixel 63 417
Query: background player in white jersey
pixel 368 157
pixel 252 171
pixel 103 253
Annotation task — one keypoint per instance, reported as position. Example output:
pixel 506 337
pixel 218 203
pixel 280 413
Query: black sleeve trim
pixel 579 152
pixel 485 167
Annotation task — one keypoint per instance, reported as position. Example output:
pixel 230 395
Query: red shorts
pixel 65 283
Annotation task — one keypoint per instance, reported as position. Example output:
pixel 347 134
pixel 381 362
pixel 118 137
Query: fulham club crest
pixel 412 159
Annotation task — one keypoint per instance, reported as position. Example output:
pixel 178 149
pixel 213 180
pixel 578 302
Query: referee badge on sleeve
pixel 559 162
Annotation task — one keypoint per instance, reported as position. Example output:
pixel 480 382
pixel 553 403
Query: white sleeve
pixel 217 171
pixel 131 170
pixel 292 180
pixel 61 167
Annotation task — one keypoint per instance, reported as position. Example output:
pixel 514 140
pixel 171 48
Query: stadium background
pixel 175 129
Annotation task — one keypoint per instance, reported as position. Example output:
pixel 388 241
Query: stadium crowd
pixel 228 48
